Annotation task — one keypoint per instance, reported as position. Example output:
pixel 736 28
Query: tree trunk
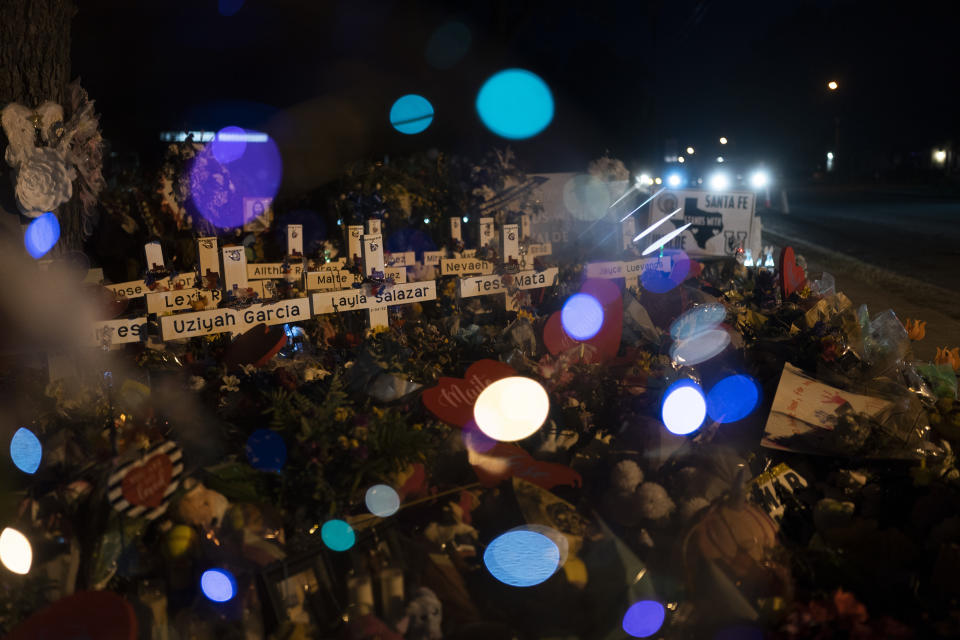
pixel 34 68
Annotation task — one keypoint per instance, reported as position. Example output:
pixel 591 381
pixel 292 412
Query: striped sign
pixel 142 487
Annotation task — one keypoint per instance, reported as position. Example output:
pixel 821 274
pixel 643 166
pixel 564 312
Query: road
pixel 888 249
pixel 914 235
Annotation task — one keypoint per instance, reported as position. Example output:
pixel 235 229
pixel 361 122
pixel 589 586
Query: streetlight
pixel 720 159
pixel 832 85
pixel 689 151
pixel 723 140
pixel 681 159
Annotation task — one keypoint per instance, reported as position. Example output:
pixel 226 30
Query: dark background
pixel 626 76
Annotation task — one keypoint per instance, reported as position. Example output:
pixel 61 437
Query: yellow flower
pixel 916 329
pixel 341 413
pixel 523 313
pixel 343 441
pixel 948 356
pixel 354 443
pixel 418 426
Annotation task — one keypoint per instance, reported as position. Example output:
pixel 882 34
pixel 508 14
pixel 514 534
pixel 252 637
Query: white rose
pixel 44 182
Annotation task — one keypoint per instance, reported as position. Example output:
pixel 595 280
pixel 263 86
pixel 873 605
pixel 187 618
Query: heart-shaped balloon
pixel 606 343
pixel 145 485
pixel 452 399
pixel 792 275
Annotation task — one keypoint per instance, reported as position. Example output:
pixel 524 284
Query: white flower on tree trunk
pixel 48 153
pixel 44 182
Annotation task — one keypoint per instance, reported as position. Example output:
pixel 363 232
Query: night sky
pixel 320 76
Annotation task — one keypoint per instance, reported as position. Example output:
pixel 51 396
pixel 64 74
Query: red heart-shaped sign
pixel 145 485
pixel 792 275
pixel 502 461
pixel 606 343
pixel 453 398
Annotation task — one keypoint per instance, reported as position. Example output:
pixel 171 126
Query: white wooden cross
pixel 376 303
pixel 522 280
pixel 487 234
pixel 354 243
pixel 208 262
pixel 494 283
pixel 530 250
pixel 261 276
pixel 235 277
pixel 165 295
pixel 629 270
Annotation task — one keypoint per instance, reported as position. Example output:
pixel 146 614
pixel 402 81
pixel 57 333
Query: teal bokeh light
pixel 338 535
pixel 515 104
pixel 411 114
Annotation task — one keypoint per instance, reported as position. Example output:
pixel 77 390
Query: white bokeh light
pixel 684 408
pixel 511 409
pixel 15 551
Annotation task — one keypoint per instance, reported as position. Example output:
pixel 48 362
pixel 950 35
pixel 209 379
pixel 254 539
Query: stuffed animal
pixel 201 506
pixel 423 618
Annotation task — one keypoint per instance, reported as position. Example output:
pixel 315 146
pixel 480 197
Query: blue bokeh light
pixel 644 618
pixel 515 104
pixel 41 235
pixel 218 585
pixel 228 8
pixel 266 450
pixel 733 398
pixel 697 320
pixel 338 535
pixel 581 316
pixel 226 193
pixel 26 450
pixel 411 114
pixel 229 145
pixel 658 281
pixel 382 500
pixel 448 44
pixel 684 407
pixel 522 558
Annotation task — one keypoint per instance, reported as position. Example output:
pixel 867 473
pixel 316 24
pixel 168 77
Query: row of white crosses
pixel 332 286
pixel 479 278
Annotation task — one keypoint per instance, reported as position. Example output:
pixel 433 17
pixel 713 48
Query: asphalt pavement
pixel 887 248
